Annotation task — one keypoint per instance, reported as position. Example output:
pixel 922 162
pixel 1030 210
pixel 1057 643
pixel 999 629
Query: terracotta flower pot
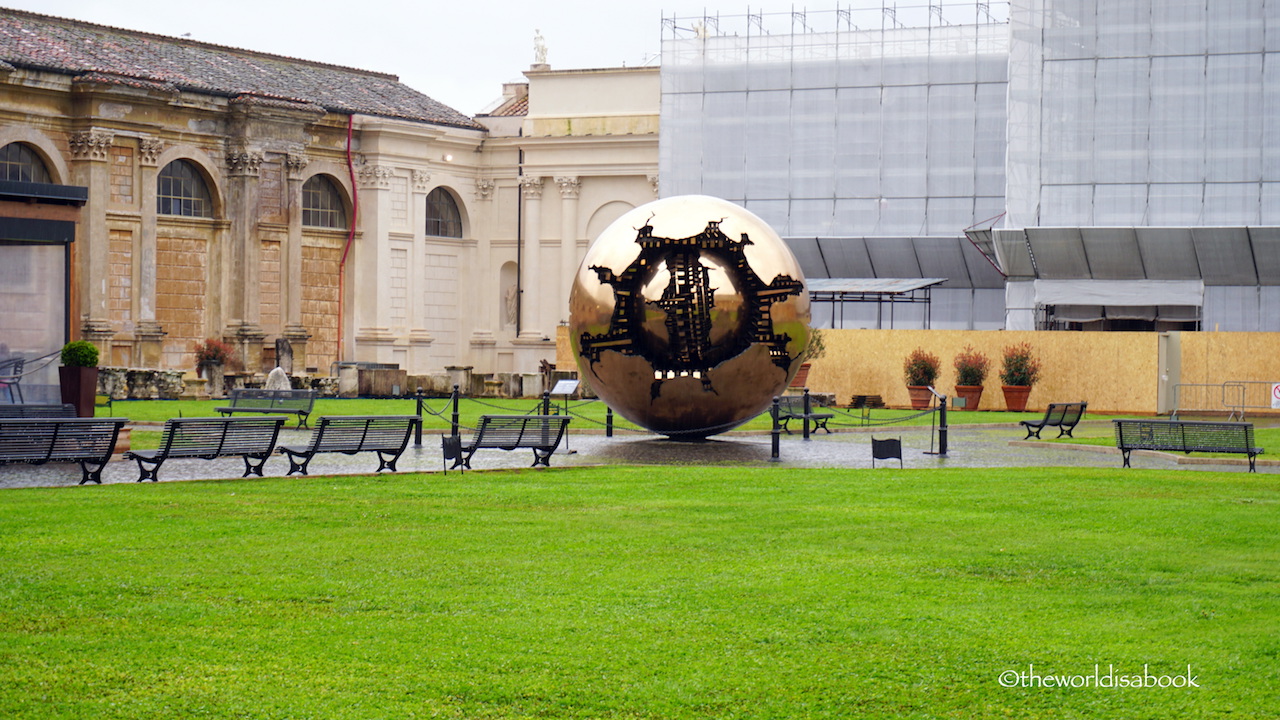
pixel 972 395
pixel 920 396
pixel 802 377
pixel 1015 397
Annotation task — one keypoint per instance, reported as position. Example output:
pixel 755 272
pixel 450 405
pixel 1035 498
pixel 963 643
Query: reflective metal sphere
pixel 688 315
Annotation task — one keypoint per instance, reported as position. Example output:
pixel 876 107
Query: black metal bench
pixel 1063 416
pixel 273 402
pixel 210 438
pixel 791 407
pixel 540 433
pixel 861 402
pixel 39 440
pixel 1186 436
pixel 34 410
pixel 386 435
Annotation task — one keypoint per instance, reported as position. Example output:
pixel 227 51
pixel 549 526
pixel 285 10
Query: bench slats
pixel 1064 416
pixel 210 438
pixel 539 433
pixel 33 410
pixel 296 402
pixel 386 435
pixel 1186 436
pixel 88 441
pixel 791 407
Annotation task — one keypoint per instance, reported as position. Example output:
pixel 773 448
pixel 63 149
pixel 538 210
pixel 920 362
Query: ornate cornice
pixel 91 144
pixel 149 150
pixel 421 179
pixel 376 176
pixel 484 189
pixel 294 164
pixel 531 187
pixel 569 186
pixel 244 163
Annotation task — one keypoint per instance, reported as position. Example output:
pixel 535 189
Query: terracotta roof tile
pixel 97 53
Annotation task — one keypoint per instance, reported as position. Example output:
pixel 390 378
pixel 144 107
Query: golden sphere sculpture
pixel 688 315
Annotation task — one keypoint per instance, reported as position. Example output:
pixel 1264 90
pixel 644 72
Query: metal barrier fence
pixel 1233 397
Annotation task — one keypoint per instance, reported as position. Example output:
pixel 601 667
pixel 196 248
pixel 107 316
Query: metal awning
pixel 1217 256
pixel 882 291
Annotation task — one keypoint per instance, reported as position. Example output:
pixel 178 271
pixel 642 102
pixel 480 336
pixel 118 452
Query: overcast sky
pixel 459 52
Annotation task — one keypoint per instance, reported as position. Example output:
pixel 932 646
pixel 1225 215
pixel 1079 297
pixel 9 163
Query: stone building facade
pixel 246 197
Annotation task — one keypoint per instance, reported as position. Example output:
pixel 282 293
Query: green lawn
pixel 629 593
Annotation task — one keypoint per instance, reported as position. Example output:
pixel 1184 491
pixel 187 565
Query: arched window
pixel 443 218
pixel 322 204
pixel 181 190
pixel 19 162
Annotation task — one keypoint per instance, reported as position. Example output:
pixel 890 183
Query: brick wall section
pixel 120 274
pixel 121 175
pixel 180 296
pixel 320 304
pixel 269 287
pixel 399 288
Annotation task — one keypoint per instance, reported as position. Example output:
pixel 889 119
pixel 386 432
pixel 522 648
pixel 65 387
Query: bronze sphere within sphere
pixel 688 315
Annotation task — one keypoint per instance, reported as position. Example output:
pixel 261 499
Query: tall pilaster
pixel 369 264
pixel 240 279
pixel 148 335
pixel 570 188
pixel 532 323
pixel 291 263
pixel 89 153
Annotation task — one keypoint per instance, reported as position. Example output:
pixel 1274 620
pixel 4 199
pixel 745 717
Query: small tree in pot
pixel 1019 371
pixel 212 356
pixel 920 370
pixel 78 376
pixel 971 371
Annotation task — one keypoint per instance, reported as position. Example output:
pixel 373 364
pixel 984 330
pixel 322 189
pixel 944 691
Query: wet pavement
pixel 968 447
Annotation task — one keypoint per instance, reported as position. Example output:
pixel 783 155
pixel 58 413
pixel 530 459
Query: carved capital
pixel 421 179
pixel 653 182
pixel 294 164
pixel 244 163
pixel 531 187
pixel 484 189
pixel 569 186
pixel 91 144
pixel 375 176
pixel 149 150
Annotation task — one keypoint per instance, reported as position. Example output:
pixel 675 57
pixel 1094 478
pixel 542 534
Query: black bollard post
pixel 942 427
pixel 807 410
pixel 417 431
pixel 776 432
pixel 454 421
pixel 608 421
pixel 546 402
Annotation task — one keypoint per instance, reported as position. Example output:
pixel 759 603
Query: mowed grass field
pixel 644 593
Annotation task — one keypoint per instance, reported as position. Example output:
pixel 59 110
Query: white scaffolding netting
pixel 1146 112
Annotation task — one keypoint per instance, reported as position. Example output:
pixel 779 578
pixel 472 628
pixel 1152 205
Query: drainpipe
pixel 351 236
pixel 519 239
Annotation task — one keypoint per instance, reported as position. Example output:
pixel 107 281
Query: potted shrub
pixel 212 357
pixel 971 371
pixel 920 369
pixel 816 348
pixel 78 376
pixel 1019 371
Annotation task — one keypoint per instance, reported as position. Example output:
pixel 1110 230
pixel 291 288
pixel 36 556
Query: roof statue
pixel 539 48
